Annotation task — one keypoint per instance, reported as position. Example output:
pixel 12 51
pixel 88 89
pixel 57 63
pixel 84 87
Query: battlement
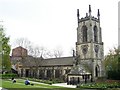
pixel 88 18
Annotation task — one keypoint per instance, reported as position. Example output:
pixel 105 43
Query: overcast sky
pixel 52 23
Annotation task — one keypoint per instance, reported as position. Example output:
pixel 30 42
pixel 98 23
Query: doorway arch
pixel 97 71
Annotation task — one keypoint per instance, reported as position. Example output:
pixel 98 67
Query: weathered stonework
pixel 85 65
pixel 89 49
pixel 93 54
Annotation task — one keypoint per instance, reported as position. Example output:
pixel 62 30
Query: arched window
pixel 97 71
pixel 95 34
pixel 84 29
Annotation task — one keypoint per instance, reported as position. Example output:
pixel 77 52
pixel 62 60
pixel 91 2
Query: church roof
pixel 26 61
pixel 31 61
pixel 57 61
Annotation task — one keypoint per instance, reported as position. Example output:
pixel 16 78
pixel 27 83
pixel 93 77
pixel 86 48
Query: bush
pixel 57 80
pixel 114 75
pixel 8 76
pixel 99 85
pixel 51 81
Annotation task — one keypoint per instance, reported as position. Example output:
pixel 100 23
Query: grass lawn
pixel 20 84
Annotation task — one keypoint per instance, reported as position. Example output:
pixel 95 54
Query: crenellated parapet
pixel 88 17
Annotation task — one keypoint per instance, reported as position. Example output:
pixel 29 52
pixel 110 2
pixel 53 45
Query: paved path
pixel 57 84
pixel 64 85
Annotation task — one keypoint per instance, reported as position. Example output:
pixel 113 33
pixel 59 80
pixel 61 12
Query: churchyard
pixel 48 85
pixel 8 84
pixel 88 63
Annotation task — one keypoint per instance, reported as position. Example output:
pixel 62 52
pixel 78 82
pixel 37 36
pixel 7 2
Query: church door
pixel 97 71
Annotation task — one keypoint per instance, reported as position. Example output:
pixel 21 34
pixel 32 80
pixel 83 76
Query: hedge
pixel 51 81
pixel 99 85
pixel 113 75
pixel 8 76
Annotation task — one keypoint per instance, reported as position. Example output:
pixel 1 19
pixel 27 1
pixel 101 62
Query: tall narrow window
pixel 84 29
pixel 97 71
pixel 95 34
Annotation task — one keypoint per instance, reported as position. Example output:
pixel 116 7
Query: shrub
pixel 8 76
pixel 51 81
pixel 99 85
pixel 114 75
pixel 57 80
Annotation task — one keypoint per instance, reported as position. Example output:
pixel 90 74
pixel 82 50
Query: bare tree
pixel 49 54
pixel 37 51
pixel 42 52
pixel 45 53
pixel 24 42
pixel 57 53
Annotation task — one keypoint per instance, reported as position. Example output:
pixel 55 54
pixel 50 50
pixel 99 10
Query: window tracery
pixel 95 34
pixel 84 30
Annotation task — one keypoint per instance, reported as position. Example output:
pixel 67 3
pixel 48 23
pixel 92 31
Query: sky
pixel 52 23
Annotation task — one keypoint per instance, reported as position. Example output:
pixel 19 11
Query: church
pixel 85 65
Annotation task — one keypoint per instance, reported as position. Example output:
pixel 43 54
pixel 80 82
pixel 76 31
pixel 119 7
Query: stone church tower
pixel 89 45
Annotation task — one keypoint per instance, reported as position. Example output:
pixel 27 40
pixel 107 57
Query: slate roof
pixel 57 61
pixel 31 61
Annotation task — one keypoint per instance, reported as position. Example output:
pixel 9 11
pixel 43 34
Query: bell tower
pixel 89 45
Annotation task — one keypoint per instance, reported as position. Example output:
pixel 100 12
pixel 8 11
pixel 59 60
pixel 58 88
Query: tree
pixel 57 53
pixel 112 64
pixel 0 51
pixel 33 50
pixel 37 51
pixel 25 43
pixel 6 64
pixel 49 54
